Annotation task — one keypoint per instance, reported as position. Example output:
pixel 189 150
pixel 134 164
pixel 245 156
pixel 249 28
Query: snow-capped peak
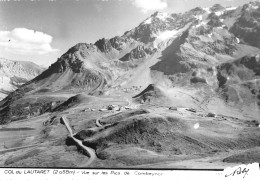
pixel 161 15
pixel 218 9
pixel 219 12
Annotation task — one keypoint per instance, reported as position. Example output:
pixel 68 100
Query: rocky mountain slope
pixel 193 49
pixel 80 68
pixel 239 80
pixel 15 73
pixel 247 26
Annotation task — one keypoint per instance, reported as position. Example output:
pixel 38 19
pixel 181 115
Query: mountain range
pixel 15 73
pixel 216 47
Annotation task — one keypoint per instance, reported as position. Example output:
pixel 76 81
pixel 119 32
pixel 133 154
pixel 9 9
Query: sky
pixel 42 30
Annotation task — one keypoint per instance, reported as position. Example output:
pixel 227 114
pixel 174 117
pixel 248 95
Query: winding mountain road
pixel 98 124
pixel 91 153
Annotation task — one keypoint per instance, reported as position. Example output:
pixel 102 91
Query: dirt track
pixel 17 148
pixel 91 153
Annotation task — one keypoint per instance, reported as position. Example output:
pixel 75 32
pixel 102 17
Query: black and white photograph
pixel 129 84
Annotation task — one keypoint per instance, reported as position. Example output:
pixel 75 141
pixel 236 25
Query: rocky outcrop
pixel 239 80
pixel 138 53
pixel 104 45
pixel 214 20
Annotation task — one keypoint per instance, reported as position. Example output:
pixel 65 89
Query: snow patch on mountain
pixel 202 23
pixel 163 36
pixel 148 21
pixel 230 8
pixel 238 40
pixel 5 84
pixel 166 35
pixel 221 27
pixel 207 10
pixel 219 13
pixel 252 6
pixel 199 17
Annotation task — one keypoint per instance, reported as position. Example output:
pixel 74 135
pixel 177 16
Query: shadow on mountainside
pixel 170 61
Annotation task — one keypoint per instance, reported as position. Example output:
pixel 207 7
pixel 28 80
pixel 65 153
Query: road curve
pixel 90 152
pixel 98 124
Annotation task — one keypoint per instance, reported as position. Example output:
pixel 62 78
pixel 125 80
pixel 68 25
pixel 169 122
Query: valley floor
pixel 135 136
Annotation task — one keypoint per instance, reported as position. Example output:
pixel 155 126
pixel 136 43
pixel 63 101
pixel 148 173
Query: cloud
pixel 24 41
pixel 147 5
